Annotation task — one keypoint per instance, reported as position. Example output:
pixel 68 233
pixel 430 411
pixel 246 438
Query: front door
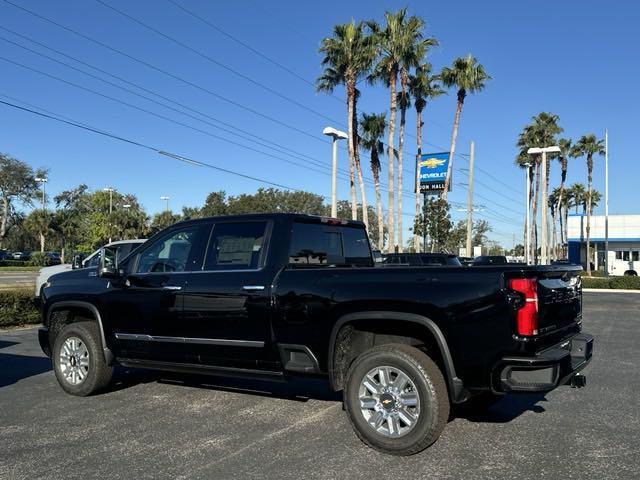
pixel 226 306
pixel 144 307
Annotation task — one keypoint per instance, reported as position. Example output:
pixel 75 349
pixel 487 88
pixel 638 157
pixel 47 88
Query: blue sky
pixel 574 58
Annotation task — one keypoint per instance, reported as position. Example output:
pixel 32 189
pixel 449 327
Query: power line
pixel 277 147
pixel 167 73
pixel 314 161
pixel 157 150
pixel 247 46
pixel 216 62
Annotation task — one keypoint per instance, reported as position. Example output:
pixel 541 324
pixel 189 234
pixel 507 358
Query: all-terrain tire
pixel 430 388
pixel 97 374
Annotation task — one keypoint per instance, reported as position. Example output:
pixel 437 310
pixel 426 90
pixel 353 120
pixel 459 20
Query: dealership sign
pixel 433 171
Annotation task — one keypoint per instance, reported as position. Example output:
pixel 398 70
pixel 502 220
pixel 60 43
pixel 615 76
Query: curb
pixel 608 290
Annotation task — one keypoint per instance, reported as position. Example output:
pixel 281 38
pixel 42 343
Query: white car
pixel 122 248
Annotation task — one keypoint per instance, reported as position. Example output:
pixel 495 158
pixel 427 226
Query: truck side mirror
pixel 108 266
pixel 76 262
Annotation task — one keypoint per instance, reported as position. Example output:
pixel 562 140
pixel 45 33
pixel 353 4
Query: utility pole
pixel 606 202
pixel 470 201
pixel 110 190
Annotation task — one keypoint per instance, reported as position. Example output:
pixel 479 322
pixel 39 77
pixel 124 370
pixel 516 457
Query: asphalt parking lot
pixel 155 426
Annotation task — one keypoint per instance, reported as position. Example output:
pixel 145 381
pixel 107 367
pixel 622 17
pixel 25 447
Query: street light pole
pixel 606 202
pixel 166 199
pixel 335 135
pixel 527 234
pixel 43 181
pixel 544 250
pixel 544 259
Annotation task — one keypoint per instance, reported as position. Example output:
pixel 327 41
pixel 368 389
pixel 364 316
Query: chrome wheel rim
pixel 389 401
pixel 74 360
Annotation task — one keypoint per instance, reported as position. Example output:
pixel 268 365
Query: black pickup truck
pixel 272 296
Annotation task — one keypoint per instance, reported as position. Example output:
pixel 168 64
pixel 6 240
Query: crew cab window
pixel 314 243
pixel 236 246
pixel 433 260
pixel 173 253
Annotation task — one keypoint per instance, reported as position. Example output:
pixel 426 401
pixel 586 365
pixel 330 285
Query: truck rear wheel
pixel 78 359
pixel 396 399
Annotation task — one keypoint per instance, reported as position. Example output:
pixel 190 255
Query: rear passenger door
pixel 226 305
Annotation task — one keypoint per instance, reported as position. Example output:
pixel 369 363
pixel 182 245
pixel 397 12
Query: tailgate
pixel 559 292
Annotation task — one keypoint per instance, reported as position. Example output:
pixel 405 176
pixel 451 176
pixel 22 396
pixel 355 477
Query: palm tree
pixel 395 40
pixel 576 194
pixel 38 222
pixel 555 208
pixel 348 56
pixel 588 146
pixel 467 76
pixel 563 158
pixel 423 87
pixel 358 166
pixel 416 48
pixel 372 128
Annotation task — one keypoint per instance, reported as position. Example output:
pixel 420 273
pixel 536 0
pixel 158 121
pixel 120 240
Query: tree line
pixel 545 130
pixel 81 219
pixel 388 53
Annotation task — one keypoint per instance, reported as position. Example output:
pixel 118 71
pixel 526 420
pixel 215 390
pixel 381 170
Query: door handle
pixel 253 288
pixel 172 287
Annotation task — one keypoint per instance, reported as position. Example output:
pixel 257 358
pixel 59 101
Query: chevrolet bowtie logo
pixel 386 401
pixel 432 162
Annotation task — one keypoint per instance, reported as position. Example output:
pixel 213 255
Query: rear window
pixel 314 243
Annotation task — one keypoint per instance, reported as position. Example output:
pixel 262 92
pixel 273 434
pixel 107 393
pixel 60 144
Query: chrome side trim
pixel 195 341
pixel 252 288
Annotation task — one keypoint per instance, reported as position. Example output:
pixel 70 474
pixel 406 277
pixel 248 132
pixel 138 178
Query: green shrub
pixel 39 259
pixel 626 283
pixel 17 307
pixel 595 282
pixel 619 283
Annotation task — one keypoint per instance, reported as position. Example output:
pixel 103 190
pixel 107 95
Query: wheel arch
pixel 455 385
pixel 75 307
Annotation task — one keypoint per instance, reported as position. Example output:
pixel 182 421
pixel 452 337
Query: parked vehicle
pixel 25 256
pixel 54 258
pixel 420 259
pixel 122 248
pixel 271 296
pixel 466 260
pixel 490 260
pixel 624 261
pixel 5 255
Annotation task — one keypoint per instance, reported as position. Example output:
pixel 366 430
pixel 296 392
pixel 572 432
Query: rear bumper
pixel 547 369
pixel 43 339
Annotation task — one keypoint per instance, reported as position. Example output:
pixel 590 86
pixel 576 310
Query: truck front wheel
pixel 78 360
pixel 396 399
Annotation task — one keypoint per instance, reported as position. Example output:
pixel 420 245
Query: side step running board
pixel 201 369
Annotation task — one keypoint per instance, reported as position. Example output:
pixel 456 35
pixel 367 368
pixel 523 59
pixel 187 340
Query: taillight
pixel 527 315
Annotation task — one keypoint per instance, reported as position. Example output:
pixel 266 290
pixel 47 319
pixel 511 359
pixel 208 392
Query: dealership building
pixel 624 242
